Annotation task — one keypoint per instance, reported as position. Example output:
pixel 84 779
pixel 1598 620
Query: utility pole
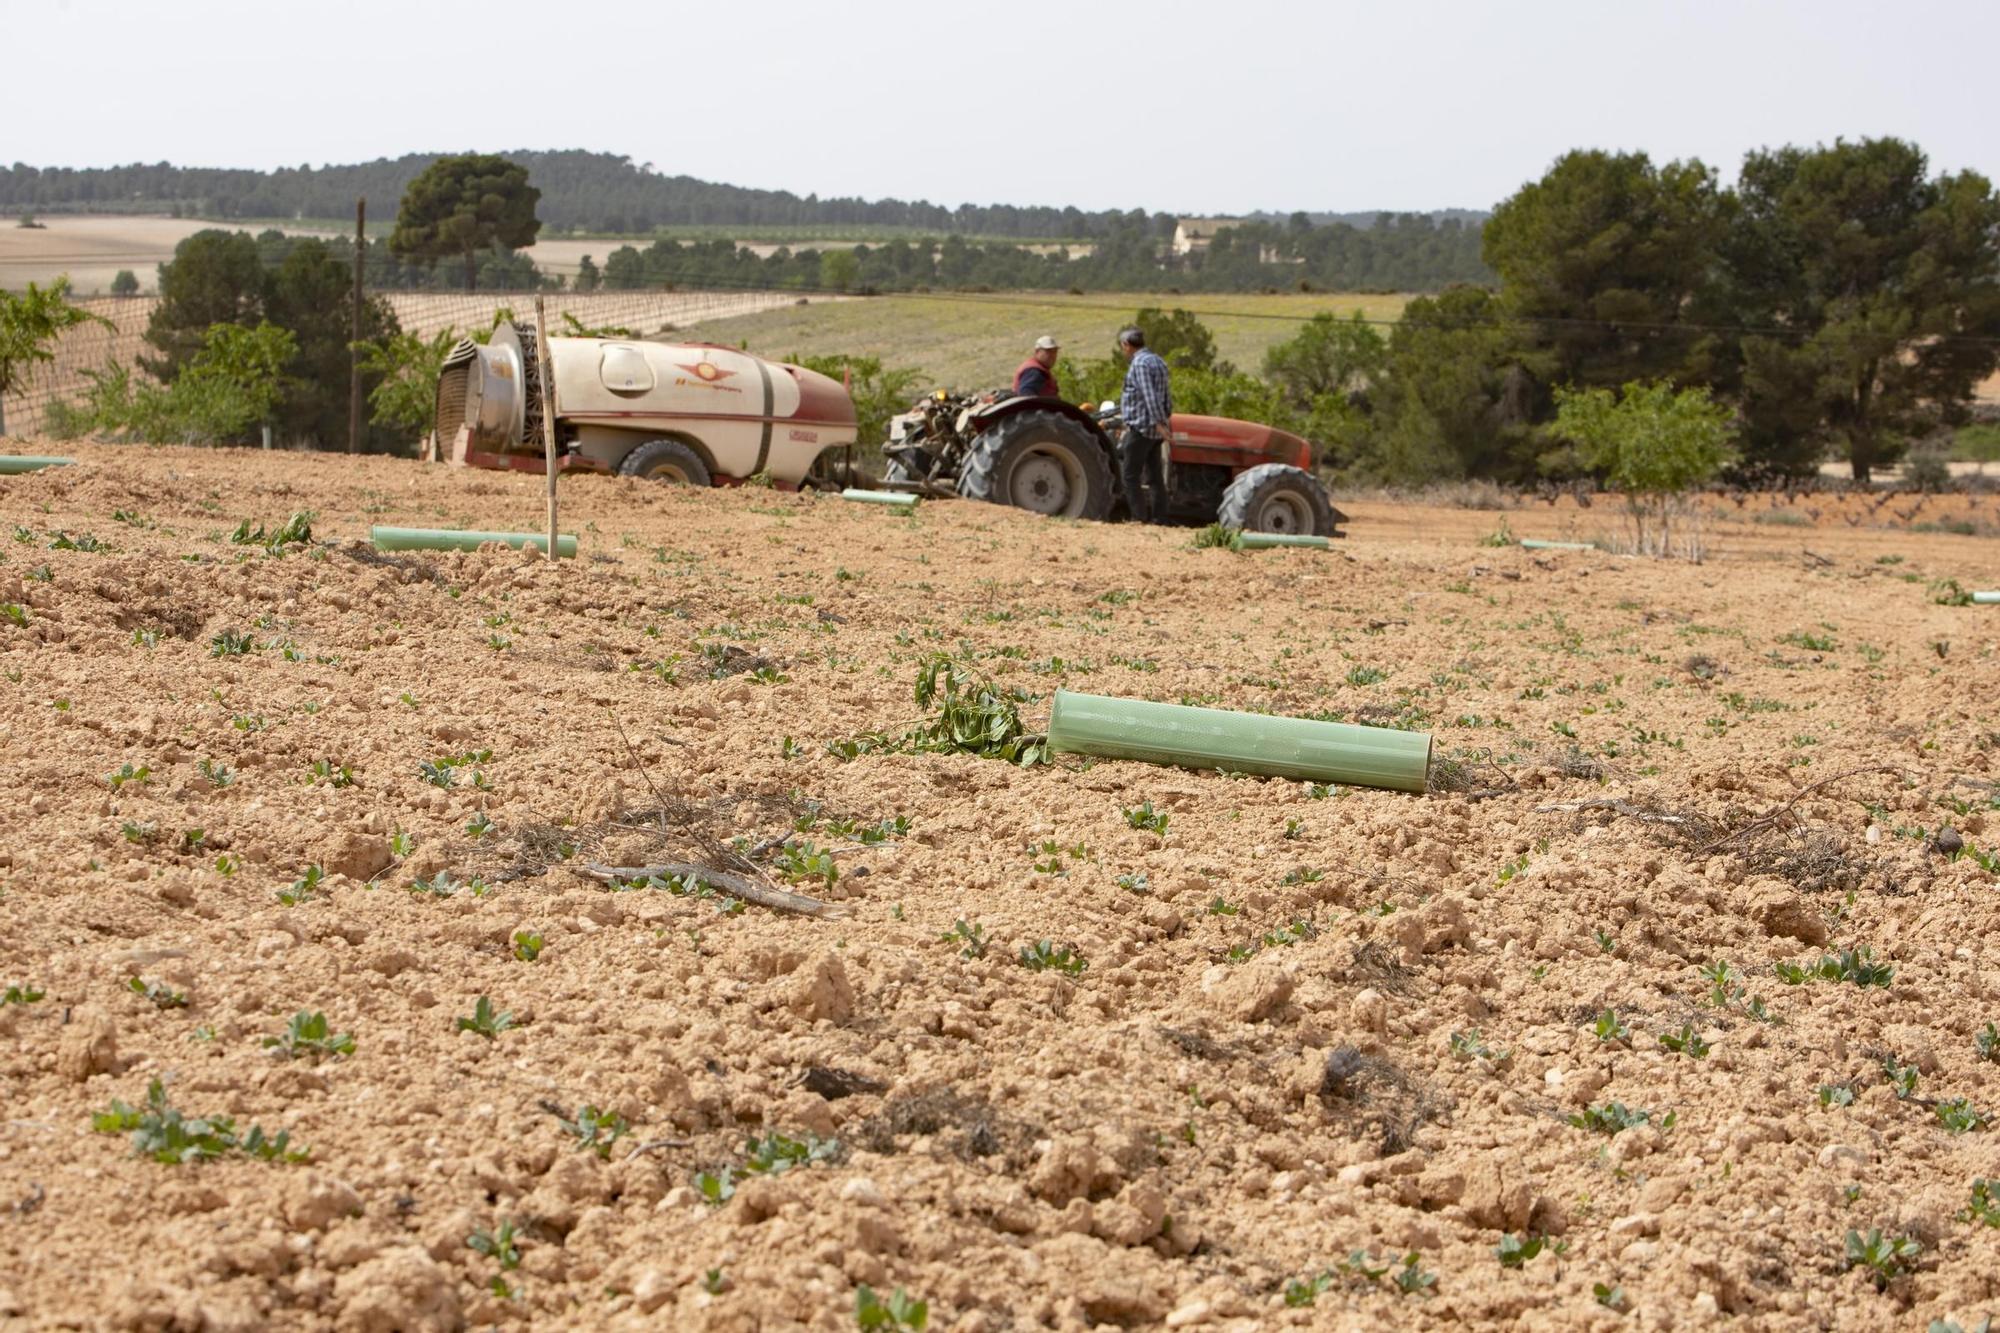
pixel 354 351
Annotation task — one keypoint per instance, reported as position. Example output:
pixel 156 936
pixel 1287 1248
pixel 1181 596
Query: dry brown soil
pixel 1256 1076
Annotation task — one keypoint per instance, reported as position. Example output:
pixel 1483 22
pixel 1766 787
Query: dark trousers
pixel 1144 476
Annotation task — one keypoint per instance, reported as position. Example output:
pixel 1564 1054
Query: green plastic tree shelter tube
pixel 877 497
pixel 1531 544
pixel 1986 598
pixel 1257 541
pixel 445 539
pixel 13 464
pixel 1279 747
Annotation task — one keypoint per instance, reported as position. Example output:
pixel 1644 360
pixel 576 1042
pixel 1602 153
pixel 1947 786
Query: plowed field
pixel 1587 1034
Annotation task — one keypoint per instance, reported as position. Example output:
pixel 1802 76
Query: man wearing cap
pixel 1148 408
pixel 1037 376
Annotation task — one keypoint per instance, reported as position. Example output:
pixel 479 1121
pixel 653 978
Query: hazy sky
pixel 1226 106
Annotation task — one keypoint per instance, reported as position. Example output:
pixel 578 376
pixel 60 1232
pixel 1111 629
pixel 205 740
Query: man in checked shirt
pixel 1148 408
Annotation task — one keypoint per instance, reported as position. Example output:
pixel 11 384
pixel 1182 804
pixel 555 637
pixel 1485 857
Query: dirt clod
pixel 89 1046
pixel 400 1291
pixel 833 1084
pixel 821 991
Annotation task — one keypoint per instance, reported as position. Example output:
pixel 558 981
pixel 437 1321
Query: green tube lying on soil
pixel 1257 541
pixel 13 464
pixel 1531 544
pixel 1986 598
pixel 445 539
pixel 1279 747
pixel 878 497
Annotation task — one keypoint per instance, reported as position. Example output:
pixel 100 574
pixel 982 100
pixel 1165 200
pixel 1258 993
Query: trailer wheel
pixel 1274 497
pixel 1042 462
pixel 666 460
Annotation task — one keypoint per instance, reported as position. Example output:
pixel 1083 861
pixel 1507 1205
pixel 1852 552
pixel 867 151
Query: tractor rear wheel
pixel 666 460
pixel 1274 497
pixel 1043 462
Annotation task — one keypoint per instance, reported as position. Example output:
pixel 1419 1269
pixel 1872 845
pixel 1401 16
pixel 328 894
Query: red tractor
pixel 1056 458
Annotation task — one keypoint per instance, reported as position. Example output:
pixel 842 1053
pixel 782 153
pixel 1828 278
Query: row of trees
pixel 1388 260
pixel 1402 255
pixel 598 192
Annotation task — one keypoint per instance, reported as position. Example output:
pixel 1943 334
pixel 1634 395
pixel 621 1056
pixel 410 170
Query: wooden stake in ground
pixel 548 379
pixel 354 344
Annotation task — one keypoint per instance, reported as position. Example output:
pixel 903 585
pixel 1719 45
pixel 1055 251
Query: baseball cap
pixel 1046 343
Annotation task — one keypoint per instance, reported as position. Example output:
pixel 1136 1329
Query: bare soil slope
pixel 1311 1023
pixel 91 250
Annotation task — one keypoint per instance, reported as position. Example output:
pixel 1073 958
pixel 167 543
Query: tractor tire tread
pixel 993 450
pixel 645 457
pixel 1245 494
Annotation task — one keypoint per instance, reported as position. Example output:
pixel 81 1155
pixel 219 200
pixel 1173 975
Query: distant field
pixel 798 236
pixel 91 248
pixel 973 341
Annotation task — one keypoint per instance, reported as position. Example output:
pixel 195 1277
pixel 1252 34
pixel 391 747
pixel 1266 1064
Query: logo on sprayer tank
pixel 706 376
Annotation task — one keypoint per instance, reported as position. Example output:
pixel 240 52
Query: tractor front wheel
pixel 1274 497
pixel 666 460
pixel 1043 462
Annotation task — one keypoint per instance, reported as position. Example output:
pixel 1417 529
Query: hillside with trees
pixel 1404 254
pixel 581 191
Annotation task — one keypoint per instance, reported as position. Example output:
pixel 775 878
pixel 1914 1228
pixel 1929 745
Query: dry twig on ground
pixel 713 861
pixel 742 886
pixel 1616 806
pixel 1777 814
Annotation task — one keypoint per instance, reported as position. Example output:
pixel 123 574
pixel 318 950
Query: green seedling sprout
pixel 1517 1251
pixel 595 1130
pixel 161 995
pixel 900 1311
pixel 497 1244
pixel 970 934
pixel 1042 955
pixel 304 889
pixel 1685 1042
pixel 1611 1117
pixel 142 775
pixel 485 1021
pixel 308 1037
pixel 1885 1257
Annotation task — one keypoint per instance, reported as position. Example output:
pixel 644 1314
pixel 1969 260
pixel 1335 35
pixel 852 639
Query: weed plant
pixel 160 1131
